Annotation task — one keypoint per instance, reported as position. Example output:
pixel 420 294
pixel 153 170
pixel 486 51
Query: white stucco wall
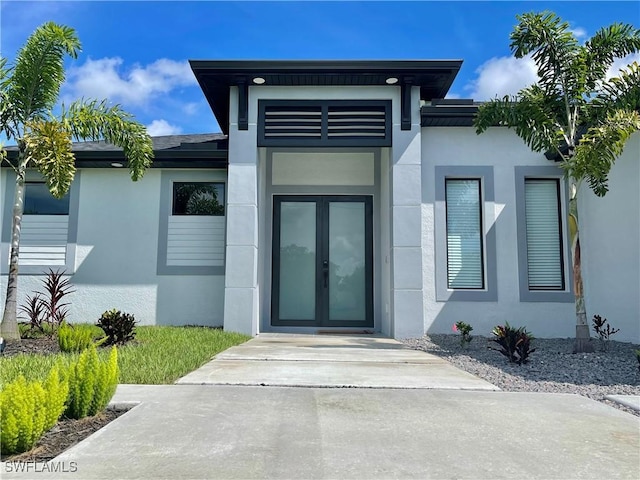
pixel 610 241
pixel 503 150
pixel 117 257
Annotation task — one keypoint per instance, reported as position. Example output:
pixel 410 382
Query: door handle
pixel 325 273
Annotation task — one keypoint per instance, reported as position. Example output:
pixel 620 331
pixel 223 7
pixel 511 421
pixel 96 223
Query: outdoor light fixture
pixel 259 80
pixel 117 165
pixel 392 81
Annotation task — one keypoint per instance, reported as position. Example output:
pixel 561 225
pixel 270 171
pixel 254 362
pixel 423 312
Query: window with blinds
pixel 465 264
pixel 543 233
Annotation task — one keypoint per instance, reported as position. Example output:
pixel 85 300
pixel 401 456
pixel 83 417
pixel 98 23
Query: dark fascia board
pixel 162 158
pixel 446 115
pixel 216 77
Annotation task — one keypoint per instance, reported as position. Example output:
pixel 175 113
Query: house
pixel 340 196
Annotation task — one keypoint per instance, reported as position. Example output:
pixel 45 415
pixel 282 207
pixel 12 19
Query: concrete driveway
pixel 232 428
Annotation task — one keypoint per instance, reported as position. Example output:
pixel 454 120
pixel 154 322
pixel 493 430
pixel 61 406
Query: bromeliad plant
pixel 465 333
pixel 603 330
pixel 514 343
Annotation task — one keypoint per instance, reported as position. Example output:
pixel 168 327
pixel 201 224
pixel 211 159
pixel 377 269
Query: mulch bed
pixel 67 432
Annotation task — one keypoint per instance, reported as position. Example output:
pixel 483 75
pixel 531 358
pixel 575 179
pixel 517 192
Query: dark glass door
pixel 322 261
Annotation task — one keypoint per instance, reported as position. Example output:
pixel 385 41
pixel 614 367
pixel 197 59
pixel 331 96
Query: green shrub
pixel 599 325
pixel 637 352
pixel 29 409
pixel 92 383
pixel 465 331
pixel 76 338
pixel 515 343
pixel 119 327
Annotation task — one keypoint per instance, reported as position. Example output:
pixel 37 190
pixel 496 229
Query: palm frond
pixel 532 115
pixel 599 148
pixel 38 72
pixel 95 120
pixel 551 44
pixel 48 147
pixel 615 41
pixel 621 92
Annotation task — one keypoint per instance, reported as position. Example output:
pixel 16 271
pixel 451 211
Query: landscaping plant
pixel 465 331
pixel 119 327
pixel 29 93
pixel 599 325
pixel 514 343
pixel 47 308
pixel 575 113
pixel 637 352
pixel 29 409
pixel 76 338
pixel 92 383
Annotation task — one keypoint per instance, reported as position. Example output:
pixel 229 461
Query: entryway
pixel 322 271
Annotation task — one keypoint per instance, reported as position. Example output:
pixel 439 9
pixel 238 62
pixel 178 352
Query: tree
pixel 573 113
pixel 29 91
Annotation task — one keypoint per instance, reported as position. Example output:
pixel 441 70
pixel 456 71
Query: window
pixel 49 228
pixel 39 201
pixel 198 198
pixel 543 251
pixel 464 234
pixel 543 231
pixel 192 223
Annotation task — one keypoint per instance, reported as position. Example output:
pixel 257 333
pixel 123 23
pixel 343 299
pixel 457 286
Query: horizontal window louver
pixel 324 123
pixel 544 240
pixel 356 122
pixel 464 234
pixel 293 122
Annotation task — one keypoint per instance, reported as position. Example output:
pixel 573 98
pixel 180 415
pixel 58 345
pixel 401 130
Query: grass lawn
pixel 159 355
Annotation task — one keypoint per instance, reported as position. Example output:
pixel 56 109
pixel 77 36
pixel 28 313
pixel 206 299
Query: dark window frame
pixel 59 201
pixel 560 233
pixel 216 186
pixel 481 228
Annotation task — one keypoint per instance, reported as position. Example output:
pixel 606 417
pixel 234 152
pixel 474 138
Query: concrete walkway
pixel 331 361
pixel 232 431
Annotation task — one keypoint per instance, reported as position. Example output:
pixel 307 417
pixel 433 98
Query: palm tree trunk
pixel 9 325
pixel 582 343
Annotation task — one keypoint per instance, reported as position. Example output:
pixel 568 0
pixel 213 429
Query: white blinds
pixel 464 234
pixel 544 243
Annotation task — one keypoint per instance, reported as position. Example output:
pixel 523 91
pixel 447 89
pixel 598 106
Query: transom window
pixel 198 198
pixel 39 201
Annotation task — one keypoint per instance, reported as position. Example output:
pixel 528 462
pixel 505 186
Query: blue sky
pixel 135 53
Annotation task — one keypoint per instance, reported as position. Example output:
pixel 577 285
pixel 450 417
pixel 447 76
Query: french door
pixel 322 273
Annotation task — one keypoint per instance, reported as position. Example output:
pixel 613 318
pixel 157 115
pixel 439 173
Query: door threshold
pixel 346 332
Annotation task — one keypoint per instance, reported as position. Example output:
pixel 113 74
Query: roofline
pixel 216 77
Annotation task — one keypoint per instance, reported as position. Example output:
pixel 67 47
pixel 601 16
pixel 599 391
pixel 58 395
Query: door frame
pixel 322 203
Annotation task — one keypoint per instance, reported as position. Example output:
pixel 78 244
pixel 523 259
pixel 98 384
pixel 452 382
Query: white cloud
pixel 161 127
pixel 578 32
pixel 105 78
pixel 620 63
pixel 502 76
pixel 191 108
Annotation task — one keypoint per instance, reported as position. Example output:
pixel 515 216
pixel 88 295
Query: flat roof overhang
pixel 216 77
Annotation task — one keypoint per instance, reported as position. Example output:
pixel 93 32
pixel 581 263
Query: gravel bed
pixel 553 367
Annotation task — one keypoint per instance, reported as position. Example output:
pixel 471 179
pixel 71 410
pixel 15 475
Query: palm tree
pixel 573 113
pixel 29 91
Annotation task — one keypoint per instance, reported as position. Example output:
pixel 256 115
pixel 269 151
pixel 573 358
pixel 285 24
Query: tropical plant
pixel 29 91
pixel 573 114
pixel 465 332
pixel 514 343
pixel 119 327
pixel 604 330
